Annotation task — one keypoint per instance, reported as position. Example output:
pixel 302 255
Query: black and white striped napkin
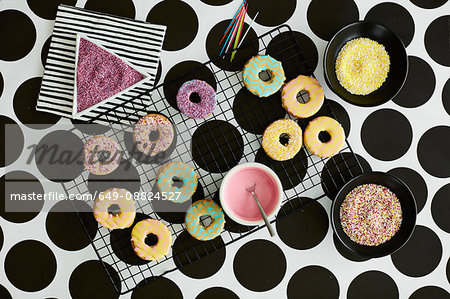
pixel 138 42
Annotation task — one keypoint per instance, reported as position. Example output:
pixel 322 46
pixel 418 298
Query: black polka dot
pixel 216 2
pixel 12 133
pixel 372 284
pixel 433 149
pixel 448 270
pixel 429 4
pixel 331 109
pixel 217 293
pixel 437 36
pixel 175 212
pixel 428 292
pixel 386 126
pixel 415 182
pixel 186 251
pixel 44 51
pixel 25 100
pixel 89 129
pixel 446 96
pixel 395 17
pixel 1 84
pixel 121 245
pixel 277 49
pixel 420 255
pixel 181 22
pixel 326 17
pixel 160 287
pixel 347 253
pixel 20 182
pixel 1 238
pixel 4 293
pixel 40 269
pixel 440 208
pixel 217 146
pixel 254 115
pixel 291 172
pixel 213 48
pixel 89 280
pixel 313 282
pixel 125 176
pixel 419 85
pixel 58 156
pixel 158 73
pixel 271 13
pixel 47 9
pixel 17 33
pixel 64 227
pixel 254 270
pixel 182 72
pixel 124 8
pixel 339 170
pixel 303 229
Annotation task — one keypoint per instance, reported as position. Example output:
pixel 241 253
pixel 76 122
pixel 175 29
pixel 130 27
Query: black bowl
pixel 398 68
pixel 409 210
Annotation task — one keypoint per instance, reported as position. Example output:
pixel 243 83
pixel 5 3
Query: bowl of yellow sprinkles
pixel 365 64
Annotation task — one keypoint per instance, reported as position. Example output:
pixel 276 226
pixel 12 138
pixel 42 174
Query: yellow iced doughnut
pixel 115 196
pixel 271 139
pixel 315 145
pixel 151 227
pixel 289 96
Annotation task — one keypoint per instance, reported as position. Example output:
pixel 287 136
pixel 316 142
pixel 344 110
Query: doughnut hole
pixel 153 135
pixel 103 156
pixel 324 136
pixel 205 220
pixel 195 98
pixel 303 97
pixel 284 139
pixel 265 75
pixel 151 239
pixel 114 209
pixel 177 182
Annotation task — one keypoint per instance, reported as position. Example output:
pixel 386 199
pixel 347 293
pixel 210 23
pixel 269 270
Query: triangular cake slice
pixel 100 76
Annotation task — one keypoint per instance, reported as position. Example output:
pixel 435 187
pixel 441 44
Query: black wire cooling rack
pixel 230 136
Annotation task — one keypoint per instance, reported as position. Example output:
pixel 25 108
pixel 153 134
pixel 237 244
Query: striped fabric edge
pixel 137 41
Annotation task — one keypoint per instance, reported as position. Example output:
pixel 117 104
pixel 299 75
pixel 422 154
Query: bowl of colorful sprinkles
pixel 374 214
pixel 365 64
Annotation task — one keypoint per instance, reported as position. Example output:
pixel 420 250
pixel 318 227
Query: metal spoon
pixel 251 190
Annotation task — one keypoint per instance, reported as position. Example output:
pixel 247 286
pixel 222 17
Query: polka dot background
pixel 47 254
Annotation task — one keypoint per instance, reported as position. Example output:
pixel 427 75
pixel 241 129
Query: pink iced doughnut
pixel 207 99
pixel 101 155
pixel 158 125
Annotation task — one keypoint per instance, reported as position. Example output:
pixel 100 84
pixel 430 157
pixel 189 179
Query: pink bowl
pixel 239 204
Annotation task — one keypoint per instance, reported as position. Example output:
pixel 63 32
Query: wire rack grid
pixel 212 146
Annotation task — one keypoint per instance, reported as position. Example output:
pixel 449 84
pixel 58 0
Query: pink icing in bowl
pixel 239 204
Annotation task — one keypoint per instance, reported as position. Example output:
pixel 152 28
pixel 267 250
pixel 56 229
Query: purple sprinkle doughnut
pixel 207 99
pixel 91 152
pixel 146 125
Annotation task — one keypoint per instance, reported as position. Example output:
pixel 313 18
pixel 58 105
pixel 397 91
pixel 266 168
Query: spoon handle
pixel 263 214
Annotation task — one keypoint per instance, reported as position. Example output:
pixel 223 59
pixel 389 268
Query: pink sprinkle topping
pixel 101 75
pixel 371 214
pixel 207 99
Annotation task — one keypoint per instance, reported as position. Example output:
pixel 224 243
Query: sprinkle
pixel 362 66
pixel 371 214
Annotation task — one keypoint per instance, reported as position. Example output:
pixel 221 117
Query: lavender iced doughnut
pixel 153 134
pixel 207 99
pixel 101 155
